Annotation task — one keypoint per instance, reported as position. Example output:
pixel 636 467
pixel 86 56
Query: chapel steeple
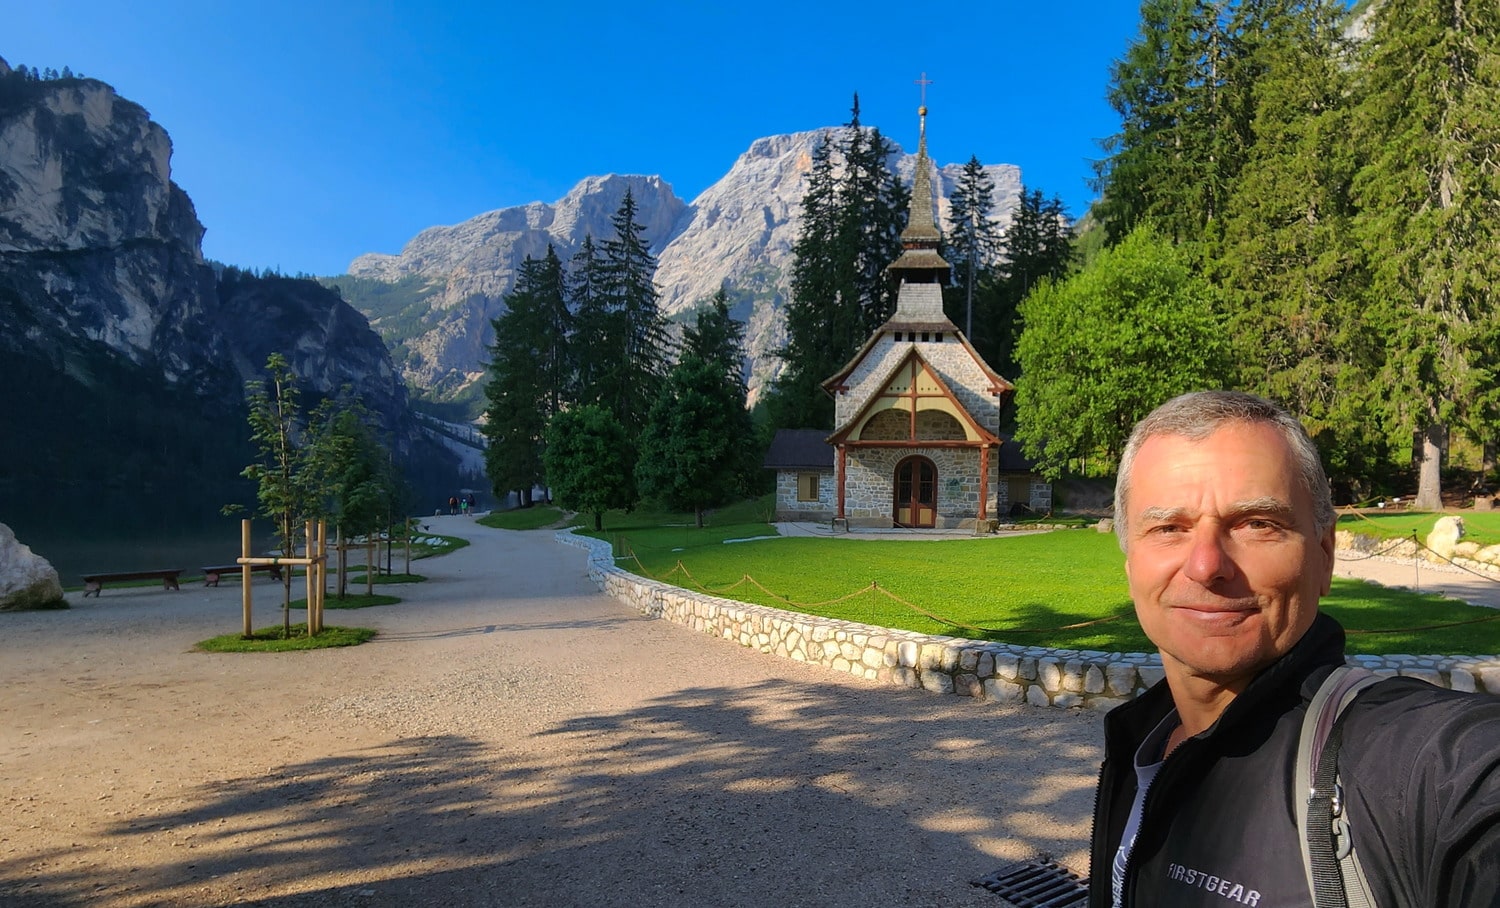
pixel 921 269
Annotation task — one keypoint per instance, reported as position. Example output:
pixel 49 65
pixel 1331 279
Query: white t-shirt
pixel 1148 760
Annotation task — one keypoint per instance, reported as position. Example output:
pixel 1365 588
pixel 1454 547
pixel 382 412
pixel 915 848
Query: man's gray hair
pixel 1199 414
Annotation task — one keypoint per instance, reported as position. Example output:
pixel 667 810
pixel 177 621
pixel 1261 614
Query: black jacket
pixel 1420 767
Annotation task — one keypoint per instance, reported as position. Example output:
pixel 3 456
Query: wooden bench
pixel 93 583
pixel 212 575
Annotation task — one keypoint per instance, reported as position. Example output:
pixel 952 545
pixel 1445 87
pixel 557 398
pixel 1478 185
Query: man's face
pixel 1224 563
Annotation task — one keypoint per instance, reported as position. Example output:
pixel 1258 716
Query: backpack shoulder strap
pixel 1334 875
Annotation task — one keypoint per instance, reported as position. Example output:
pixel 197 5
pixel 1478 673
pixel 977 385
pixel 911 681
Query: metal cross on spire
pixel 924 82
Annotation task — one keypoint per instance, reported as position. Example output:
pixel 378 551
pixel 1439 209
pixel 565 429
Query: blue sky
pixel 309 133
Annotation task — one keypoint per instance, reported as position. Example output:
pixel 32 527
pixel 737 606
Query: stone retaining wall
pixel 951 665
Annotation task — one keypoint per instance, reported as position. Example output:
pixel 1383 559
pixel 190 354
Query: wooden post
pixel 308 578
pixel 984 484
pixel 322 568
pixel 370 565
pixel 245 576
pixel 840 482
pixel 407 523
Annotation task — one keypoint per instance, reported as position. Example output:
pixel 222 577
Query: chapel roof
pixel 799 449
pixel 920 239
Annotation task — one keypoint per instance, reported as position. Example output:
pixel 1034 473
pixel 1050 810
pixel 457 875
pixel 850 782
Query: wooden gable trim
pixel 916 365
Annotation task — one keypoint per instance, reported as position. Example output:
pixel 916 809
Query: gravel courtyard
pixel 512 737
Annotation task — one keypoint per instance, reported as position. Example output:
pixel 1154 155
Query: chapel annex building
pixel 917 415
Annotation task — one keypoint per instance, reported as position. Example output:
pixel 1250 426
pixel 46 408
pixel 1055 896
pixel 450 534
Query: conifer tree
pixel 972 247
pixel 637 347
pixel 530 374
pixel 695 452
pixel 851 230
pixel 1428 119
pixel 1038 247
pixel 1183 130
pixel 593 331
pixel 1289 272
pixel 815 315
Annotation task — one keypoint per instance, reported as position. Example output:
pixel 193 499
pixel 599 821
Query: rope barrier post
pixel 1416 562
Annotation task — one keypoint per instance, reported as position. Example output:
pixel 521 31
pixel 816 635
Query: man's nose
pixel 1208 559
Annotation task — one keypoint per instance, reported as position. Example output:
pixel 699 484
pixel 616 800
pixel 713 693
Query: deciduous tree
pixel 588 462
pixel 1105 346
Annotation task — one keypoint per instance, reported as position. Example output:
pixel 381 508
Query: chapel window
pixel 807 486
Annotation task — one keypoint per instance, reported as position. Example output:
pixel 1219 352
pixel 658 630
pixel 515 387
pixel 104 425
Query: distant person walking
pixel 452 504
pixel 463 506
pixel 473 505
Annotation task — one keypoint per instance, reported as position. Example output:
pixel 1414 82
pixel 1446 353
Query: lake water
pixel 81 531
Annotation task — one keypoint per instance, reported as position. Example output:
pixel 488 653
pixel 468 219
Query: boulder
pixel 1445 536
pixel 26 579
pixel 1105 525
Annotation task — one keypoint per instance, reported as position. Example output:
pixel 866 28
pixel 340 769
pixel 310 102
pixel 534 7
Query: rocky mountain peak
pixel 738 233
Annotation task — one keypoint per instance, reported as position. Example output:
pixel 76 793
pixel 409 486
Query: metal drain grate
pixel 1038 883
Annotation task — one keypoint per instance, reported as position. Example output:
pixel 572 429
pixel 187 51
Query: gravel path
pixel 511 738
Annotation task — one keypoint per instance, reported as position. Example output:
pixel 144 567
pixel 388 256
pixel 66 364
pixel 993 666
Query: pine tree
pixel 972 245
pixel 1037 247
pixel 695 452
pixel 1289 271
pixel 814 309
pixel 872 208
pixel 637 356
pixel 851 230
pixel 592 328
pixel 530 375
pixel 717 337
pixel 1428 118
pixel 1183 130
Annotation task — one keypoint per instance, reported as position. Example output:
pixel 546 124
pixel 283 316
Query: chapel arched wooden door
pixel 916 493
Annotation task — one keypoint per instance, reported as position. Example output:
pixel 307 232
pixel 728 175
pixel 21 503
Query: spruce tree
pixel 593 331
pixel 851 230
pixel 696 450
pixel 530 374
pixel 1428 119
pixel 1289 272
pixel 811 311
pixel 635 358
pixel 1037 247
pixel 1183 132
pixel 971 246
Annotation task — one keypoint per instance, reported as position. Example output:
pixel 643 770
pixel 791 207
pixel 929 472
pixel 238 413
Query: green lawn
pixel 1482 527
pixel 532 518
pixel 270 640
pixel 1018 589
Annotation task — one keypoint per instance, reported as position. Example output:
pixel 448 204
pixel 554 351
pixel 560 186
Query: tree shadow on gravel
pixel 778 794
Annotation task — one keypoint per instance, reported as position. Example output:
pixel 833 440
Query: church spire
pixel 920 262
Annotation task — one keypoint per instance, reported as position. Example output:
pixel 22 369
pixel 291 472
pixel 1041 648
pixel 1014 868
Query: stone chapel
pixel 916 414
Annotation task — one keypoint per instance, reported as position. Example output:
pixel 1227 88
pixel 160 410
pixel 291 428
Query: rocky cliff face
pixel 103 286
pixel 738 233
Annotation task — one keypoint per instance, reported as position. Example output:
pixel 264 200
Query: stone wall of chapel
pixel 789 508
pixel 870 477
pixel 887 425
pixel 949 359
pixel 1039 495
pixel 935 425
